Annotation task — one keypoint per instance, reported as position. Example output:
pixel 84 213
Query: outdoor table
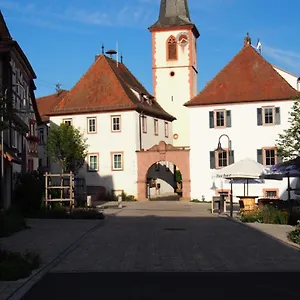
pixel 249 202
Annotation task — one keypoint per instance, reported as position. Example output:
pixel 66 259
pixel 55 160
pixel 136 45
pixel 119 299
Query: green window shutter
pixel 279 159
pixel 231 157
pixel 211 119
pixel 259 156
pixel 228 118
pixel 259 116
pixel 277 116
pixel 212 159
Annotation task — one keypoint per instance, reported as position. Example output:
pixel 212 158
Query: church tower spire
pixel 174 57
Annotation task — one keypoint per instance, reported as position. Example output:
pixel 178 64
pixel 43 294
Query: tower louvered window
pixel 172 48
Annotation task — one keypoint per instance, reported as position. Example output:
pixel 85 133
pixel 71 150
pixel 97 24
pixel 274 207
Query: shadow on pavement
pixel 154 245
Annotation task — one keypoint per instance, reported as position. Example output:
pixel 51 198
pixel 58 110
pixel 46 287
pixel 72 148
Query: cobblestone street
pixel 165 237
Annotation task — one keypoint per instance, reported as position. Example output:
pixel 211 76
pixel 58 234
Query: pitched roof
pixel 248 77
pixel 4 32
pixel 173 13
pixel 108 86
pixel 47 103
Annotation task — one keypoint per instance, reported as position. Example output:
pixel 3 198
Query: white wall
pixel 289 77
pixel 246 137
pixel 105 141
pixel 173 92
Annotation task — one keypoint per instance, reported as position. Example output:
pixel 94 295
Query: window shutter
pixel 259 116
pixel 259 156
pixel 212 160
pixel 279 159
pixel 228 118
pixel 231 157
pixel 211 119
pixel 277 115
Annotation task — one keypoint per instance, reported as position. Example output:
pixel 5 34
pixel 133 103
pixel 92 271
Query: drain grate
pixel 175 229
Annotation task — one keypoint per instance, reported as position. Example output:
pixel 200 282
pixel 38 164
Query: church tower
pixel 174 64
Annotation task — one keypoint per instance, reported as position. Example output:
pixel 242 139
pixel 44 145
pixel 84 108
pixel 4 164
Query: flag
pixel 259 46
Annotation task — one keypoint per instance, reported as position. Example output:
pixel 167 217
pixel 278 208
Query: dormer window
pixel 171 48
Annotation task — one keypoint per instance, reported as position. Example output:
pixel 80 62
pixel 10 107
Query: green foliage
pixel 14 266
pixel 267 215
pixel 178 176
pixel 288 143
pixel 11 222
pixel 29 191
pixel 294 235
pixel 127 198
pixel 66 145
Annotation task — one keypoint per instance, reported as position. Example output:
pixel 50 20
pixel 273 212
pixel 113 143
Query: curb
pixel 17 290
pixel 287 243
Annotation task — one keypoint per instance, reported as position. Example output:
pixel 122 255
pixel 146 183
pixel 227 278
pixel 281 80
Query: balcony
pixel 32 148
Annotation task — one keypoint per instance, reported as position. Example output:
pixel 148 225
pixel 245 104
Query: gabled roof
pixel 47 103
pixel 173 13
pixel 248 77
pixel 108 86
pixel 4 32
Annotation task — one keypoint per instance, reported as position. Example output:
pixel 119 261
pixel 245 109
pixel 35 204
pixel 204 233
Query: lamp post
pixel 2 137
pixel 219 150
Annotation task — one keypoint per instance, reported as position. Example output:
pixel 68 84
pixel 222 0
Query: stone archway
pixel 180 156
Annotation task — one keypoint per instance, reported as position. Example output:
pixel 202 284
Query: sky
pixel 62 37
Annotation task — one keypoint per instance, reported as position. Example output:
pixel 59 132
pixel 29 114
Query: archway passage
pixel 179 156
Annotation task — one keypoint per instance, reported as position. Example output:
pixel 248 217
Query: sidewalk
pixel 52 239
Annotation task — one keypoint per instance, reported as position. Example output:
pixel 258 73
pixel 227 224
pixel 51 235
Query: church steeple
pixel 173 13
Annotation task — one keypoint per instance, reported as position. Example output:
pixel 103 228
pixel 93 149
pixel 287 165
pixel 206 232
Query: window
pixel 144 124
pixel 166 129
pixel 40 162
pixel 221 159
pixel 68 121
pixel 116 123
pixel 92 162
pixel 267 156
pixel 220 118
pixel 171 48
pixel 31 127
pixel 155 126
pixel 268 115
pixel 157 167
pixel 30 165
pixel 41 135
pixel 271 193
pixel 117 161
pixel 92 125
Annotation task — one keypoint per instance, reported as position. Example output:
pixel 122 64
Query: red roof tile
pixel 106 87
pixel 248 77
pixel 47 103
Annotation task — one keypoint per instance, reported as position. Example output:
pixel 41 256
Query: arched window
pixel 171 48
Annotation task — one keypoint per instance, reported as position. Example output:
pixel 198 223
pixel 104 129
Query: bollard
pixel 119 201
pixel 89 201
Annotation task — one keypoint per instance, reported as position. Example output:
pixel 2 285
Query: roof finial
pixel 121 58
pixel 247 40
pixel 102 49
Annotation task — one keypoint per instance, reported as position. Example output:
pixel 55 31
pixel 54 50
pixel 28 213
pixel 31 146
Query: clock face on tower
pixel 183 39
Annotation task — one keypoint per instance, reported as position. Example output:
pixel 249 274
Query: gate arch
pixel 180 156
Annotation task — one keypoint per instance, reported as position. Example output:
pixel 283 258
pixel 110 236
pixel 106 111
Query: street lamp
pixel 2 135
pixel 220 150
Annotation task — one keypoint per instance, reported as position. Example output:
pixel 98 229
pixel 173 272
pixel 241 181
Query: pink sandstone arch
pixel 180 156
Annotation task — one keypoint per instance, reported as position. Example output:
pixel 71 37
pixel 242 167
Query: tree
pixel 288 143
pixel 66 145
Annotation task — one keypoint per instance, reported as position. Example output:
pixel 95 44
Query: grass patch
pixel 267 215
pixel 58 212
pixel 14 265
pixel 11 221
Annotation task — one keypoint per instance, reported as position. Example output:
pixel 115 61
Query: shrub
pixel 267 215
pixel 14 266
pixel 11 221
pixel 29 191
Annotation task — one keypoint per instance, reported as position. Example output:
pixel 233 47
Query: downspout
pixel 140 130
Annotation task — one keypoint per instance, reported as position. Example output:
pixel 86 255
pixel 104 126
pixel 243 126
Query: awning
pixel 10 155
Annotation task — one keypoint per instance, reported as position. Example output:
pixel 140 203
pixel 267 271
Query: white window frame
pixel 264 115
pixel 166 129
pixel 89 162
pixel 156 126
pixel 114 154
pixel 67 121
pixel 89 125
pixel 118 117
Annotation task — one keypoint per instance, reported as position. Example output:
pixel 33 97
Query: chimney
pixel 247 40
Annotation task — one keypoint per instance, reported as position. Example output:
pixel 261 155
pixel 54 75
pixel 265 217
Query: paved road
pixel 162 237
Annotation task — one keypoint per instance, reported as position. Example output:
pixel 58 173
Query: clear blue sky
pixel 61 38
